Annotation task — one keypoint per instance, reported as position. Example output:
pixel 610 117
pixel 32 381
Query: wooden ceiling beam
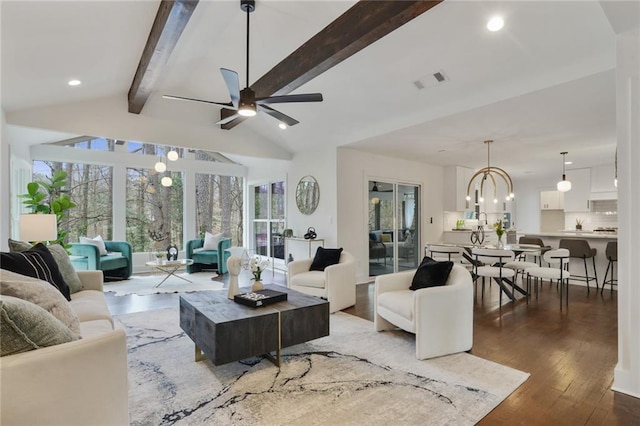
pixel 361 25
pixel 170 21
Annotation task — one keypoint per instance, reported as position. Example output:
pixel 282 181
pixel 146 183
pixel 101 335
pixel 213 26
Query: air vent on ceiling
pixel 430 80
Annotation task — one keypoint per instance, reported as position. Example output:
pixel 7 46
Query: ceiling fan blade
pixel 233 85
pixel 228 119
pixel 278 115
pixel 180 98
pixel 305 97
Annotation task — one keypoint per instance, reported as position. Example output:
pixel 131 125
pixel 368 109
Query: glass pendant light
pixel 564 185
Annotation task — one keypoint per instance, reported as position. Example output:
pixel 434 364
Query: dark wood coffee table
pixel 227 331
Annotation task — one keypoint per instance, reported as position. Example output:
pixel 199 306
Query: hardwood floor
pixel 570 355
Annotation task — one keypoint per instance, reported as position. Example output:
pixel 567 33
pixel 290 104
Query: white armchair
pixel 337 283
pixel 440 317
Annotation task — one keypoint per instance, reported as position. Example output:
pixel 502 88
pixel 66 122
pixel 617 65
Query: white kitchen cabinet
pixel 577 199
pixel 602 183
pixel 551 200
pixel 456 179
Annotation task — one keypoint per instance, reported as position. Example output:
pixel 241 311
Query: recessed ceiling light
pixel 568 162
pixel 495 24
pixel 74 82
pixel 282 126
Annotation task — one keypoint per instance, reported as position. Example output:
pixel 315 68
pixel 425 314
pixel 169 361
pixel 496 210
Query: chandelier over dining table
pixel 493 174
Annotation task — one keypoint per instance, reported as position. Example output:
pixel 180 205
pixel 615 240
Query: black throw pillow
pixel 37 262
pixel 431 274
pixel 325 257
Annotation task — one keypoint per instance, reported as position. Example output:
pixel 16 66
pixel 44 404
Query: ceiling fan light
pixel 282 126
pixel 247 111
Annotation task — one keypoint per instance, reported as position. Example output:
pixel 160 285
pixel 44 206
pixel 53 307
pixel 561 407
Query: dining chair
pixel 443 253
pixel 489 263
pixel 536 242
pixel 558 270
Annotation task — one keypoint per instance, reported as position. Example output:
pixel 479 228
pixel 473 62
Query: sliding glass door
pixel 394 220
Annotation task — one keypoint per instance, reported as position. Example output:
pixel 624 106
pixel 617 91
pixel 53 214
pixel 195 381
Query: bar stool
pixel 581 249
pixel 612 254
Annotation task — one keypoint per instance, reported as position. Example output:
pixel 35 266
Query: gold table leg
pixel 276 360
pixel 200 356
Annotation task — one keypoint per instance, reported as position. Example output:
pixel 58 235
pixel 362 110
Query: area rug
pixel 354 376
pixel 145 284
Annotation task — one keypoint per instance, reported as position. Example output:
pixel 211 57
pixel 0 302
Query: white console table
pixel 300 248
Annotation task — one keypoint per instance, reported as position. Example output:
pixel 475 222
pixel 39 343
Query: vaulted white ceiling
pixel 544 84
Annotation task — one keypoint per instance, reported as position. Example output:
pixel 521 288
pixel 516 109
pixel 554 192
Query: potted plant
pixel 257 265
pixel 47 197
pixel 579 223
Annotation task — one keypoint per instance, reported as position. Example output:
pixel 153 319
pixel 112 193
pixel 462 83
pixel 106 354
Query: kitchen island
pixel 597 240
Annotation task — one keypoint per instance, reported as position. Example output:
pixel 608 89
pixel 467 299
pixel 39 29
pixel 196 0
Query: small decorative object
pixel 290 258
pixel 256 266
pixel 260 298
pixel 499 231
pixel 159 255
pixel 287 233
pixel 477 236
pixel 172 252
pixel 579 223
pixel 311 233
pixel 234 265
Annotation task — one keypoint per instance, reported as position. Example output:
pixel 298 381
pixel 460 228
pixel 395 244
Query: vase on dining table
pixel 500 244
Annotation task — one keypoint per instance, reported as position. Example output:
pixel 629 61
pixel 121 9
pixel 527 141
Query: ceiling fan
pixel 244 101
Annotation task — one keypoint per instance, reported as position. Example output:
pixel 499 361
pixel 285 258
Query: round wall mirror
pixel 307 195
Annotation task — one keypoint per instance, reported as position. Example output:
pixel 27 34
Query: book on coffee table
pixel 259 298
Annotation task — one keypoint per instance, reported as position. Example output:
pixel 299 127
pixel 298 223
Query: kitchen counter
pixel 574 234
pixel 597 240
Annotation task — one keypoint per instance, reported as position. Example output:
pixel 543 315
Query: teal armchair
pixel 118 263
pixel 208 259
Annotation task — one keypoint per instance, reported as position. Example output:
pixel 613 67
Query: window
pixel 219 202
pixel 154 212
pixel 269 219
pixel 89 187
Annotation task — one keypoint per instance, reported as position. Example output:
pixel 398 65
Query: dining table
pixel 504 283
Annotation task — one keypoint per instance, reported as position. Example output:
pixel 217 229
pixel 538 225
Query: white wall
pixel 627 372
pixel 5 192
pixel 354 170
pixel 321 164
pixel 526 204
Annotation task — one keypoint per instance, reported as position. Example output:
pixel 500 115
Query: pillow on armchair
pixel 211 241
pixel 98 242
pixel 431 273
pixel 325 257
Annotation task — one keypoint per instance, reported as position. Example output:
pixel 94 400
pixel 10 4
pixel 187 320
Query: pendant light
pixel 493 174
pixel 564 185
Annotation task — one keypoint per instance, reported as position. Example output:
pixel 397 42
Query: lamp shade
pixel 38 227
pixel 564 186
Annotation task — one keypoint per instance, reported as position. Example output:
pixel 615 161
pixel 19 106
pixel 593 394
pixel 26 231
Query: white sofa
pixel 83 382
pixel 440 317
pixel 337 283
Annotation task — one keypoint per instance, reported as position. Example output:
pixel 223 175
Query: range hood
pixel 604 207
